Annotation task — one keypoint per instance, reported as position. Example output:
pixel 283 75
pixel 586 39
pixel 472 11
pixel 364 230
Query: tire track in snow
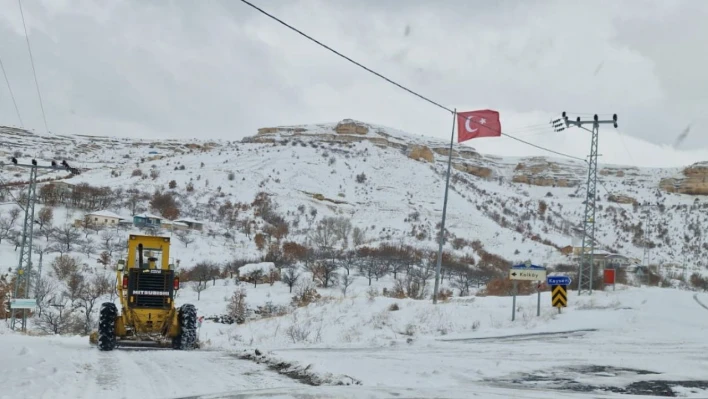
pixel 518 337
pixel 703 305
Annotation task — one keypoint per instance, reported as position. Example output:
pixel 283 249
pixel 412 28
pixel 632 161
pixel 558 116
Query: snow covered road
pixel 60 368
pixel 649 335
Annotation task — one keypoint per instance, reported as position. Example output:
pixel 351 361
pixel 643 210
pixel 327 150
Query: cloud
pixel 220 69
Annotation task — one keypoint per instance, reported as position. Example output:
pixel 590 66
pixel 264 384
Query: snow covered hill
pixel 390 184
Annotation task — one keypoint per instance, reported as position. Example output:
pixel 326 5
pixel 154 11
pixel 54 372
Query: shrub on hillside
pixel 260 241
pixel 505 287
pixel 305 294
pixel 236 307
pixel 137 172
pixel 699 282
pixel 165 203
pixel 65 266
pixel 444 294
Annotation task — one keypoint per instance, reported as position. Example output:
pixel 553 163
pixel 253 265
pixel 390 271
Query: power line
pixel 12 95
pixel 34 72
pixel 422 97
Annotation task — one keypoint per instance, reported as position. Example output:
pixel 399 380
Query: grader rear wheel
pixel 107 326
pixel 187 338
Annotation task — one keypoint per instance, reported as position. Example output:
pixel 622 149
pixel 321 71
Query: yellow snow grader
pixel 146 284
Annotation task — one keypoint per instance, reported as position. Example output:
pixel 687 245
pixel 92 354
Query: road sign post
pixel 526 272
pixel 513 302
pixel 538 302
pixel 559 292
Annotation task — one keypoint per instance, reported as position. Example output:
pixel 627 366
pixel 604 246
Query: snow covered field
pixel 466 347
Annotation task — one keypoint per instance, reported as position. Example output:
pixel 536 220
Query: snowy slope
pixel 315 167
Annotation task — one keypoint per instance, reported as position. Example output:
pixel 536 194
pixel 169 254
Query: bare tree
pixel 57 317
pixel 463 279
pixel 6 226
pixel 368 263
pixel 246 227
pixel 290 276
pixel 87 224
pixel 66 236
pixel 104 259
pixel 345 281
pixel 46 232
pixel 323 236
pixel 326 266
pixel 348 260
pixel 14 214
pixel 15 238
pixel 358 236
pixel 255 275
pixel 342 228
pixel 204 271
pixel 107 240
pixel 88 248
pixel 75 284
pixel 135 198
pixel 45 216
pixel 198 287
pixel 185 237
pixel 88 296
pixel 44 289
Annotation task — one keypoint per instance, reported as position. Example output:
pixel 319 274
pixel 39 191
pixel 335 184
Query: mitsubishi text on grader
pixel 146 284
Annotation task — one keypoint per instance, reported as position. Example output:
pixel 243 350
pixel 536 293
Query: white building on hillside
pixel 103 218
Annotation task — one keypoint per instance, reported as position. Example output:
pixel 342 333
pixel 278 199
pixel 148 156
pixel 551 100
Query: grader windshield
pixel 148 252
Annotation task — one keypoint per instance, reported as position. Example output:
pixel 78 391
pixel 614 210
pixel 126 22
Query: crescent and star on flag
pixel 482 121
pixel 478 123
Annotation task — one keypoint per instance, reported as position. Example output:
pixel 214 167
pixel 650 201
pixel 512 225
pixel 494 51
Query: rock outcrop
pixel 693 182
pixel 348 126
pixel 421 152
pixel 479 171
pixel 541 172
pixel 621 199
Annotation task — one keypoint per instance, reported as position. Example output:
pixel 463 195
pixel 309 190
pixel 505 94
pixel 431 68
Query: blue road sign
pixel 532 267
pixel 558 280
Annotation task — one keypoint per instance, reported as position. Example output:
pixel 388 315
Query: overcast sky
pixel 188 68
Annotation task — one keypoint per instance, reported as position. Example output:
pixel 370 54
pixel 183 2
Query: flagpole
pixel 444 212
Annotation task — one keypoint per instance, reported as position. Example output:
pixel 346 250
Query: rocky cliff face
pixel 538 171
pixel 464 159
pixel 693 181
pixel 541 172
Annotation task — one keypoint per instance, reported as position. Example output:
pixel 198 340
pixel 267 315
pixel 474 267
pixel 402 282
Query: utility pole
pixel 23 281
pixel 585 269
pixel 647 226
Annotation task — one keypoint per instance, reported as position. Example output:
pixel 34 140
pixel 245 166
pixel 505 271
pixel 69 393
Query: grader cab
pixel 146 284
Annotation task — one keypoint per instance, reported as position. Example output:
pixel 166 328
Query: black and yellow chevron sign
pixel 559 296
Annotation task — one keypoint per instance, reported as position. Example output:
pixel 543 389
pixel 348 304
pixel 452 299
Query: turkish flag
pixel 474 124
